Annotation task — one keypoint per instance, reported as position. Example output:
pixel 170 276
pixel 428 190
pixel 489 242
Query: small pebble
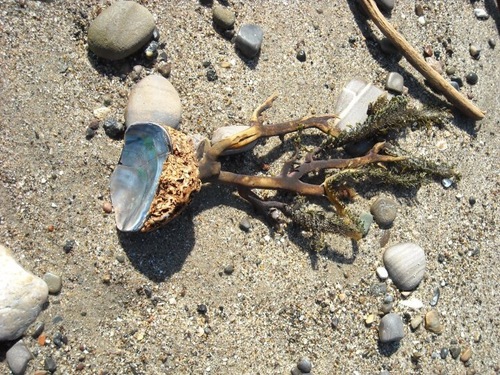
pixel 295 371
pixel 419 10
pixel 451 70
pixel 378 289
pixel 113 128
pixel 36 329
pixel 18 357
pixel 164 68
pixel 245 224
pixel 416 322
pixel 107 207
pixel 433 323
pixel 249 40
pixel 366 220
pixel 386 5
pixel 304 365
pixel 466 354
pixel 382 273
pixel 391 328
pixel 151 50
pixel 384 212
pixel 481 14
pixel 223 17
pixel 54 282
pixel 455 85
pixel 301 55
pixel 50 364
pixel 455 351
pixel 421 20
pixel 435 297
pixel 90 133
pixel 446 182
pixel 471 78
pixel 228 270
pixel 472 201
pixel 394 82
pixel 202 309
pixel 69 245
pixel 444 353
pixel 474 51
pixel 212 75
pixel 492 43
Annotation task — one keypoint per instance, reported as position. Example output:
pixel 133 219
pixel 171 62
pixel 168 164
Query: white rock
pixel 228 131
pixel 412 303
pixel 481 14
pixel 405 263
pixel 155 100
pixel 22 296
pixel 382 273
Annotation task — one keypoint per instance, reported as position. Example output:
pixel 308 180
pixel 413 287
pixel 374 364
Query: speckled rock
pixel 155 100
pixel 249 40
pixel 390 328
pixel 223 17
pixel 384 212
pixel 21 297
pixel 120 30
pixel 18 357
pixel 405 263
pixel 433 323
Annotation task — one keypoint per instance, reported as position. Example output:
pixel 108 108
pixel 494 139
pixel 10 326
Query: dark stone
pixel 113 128
pixel 304 365
pixel 202 309
pixel 471 78
pixel 49 364
pixel 455 352
pixel 69 245
pixel 301 55
pixel 249 40
pixel 444 353
pixel 212 75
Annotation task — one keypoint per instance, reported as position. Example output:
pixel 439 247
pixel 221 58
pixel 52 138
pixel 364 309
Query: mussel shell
pixel 135 179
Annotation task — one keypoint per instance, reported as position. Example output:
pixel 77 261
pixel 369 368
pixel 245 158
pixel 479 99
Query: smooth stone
pixel 18 357
pixel 36 329
pixel 390 328
pixel 455 351
pixel 455 85
pixel 228 131
pixel 444 353
pixel 295 371
pixel 54 282
pixel 433 323
pixel 304 365
pixel 249 40
pixel 384 212
pixel 481 14
pixel 245 224
pixel 387 5
pixel 492 43
pixel 471 78
pixel 382 273
pixel 474 50
pixel 405 263
pixel 113 128
pixel 353 101
pixel 154 99
pixel 394 82
pixel 466 354
pixel 416 322
pixel 223 17
pixel 121 30
pixel 366 220
pixel 21 297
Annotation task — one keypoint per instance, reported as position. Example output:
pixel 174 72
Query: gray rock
pixel 384 212
pixel 390 328
pixel 304 365
pixel 54 282
pixel 394 82
pixel 50 364
pixel 223 17
pixel 474 51
pixel 228 131
pixel 22 296
pixel 366 220
pixel 120 30
pixel 155 100
pixel 455 85
pixel 18 357
pixel 249 40
pixel 387 5
pixel 405 263
pixel 113 128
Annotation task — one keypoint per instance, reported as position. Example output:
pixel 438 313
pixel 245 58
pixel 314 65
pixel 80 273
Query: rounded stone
pixel 382 273
pixel 249 40
pixel 384 212
pixel 304 365
pixel 474 50
pixel 471 78
pixel 386 5
pixel 120 30
pixel 54 282
pixel 433 323
pixel 366 220
pixel 18 357
pixel 155 100
pixel 390 328
pixel 223 17
pixel 22 296
pixel 405 263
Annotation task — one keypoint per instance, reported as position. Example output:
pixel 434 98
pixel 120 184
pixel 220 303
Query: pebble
pixel 223 17
pixel 22 300
pixel 466 354
pixel 391 328
pixel 36 329
pixel 366 220
pixel 202 309
pixel 49 364
pixel 474 51
pixel 412 303
pixel 120 30
pixel 384 212
pixel 416 322
pixel 471 78
pixel 421 20
pixel 492 42
pixel 378 289
pixel 245 224
pixel 386 5
pixel 433 323
pixel 212 75
pixel 304 365
pixel 164 68
pixel 228 270
pixel 455 351
pixel 107 207
pixel 405 263
pixel 435 297
pixel 295 371
pixel 455 85
pixel 446 182
pixel 54 282
pixel 113 128
pixel 69 245
pixel 419 9
pixel 154 99
pixel 18 357
pixel 249 40
pixel 444 353
pixel 481 14
pixel 152 49
pixel 394 82
pixel 301 55
pixel 382 273
pixel 101 113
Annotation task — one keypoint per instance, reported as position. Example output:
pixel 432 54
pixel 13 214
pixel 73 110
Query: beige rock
pixel 22 296
pixel 155 100
pixel 433 323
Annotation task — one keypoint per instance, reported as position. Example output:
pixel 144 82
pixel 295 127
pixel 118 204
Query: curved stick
pixel 453 96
